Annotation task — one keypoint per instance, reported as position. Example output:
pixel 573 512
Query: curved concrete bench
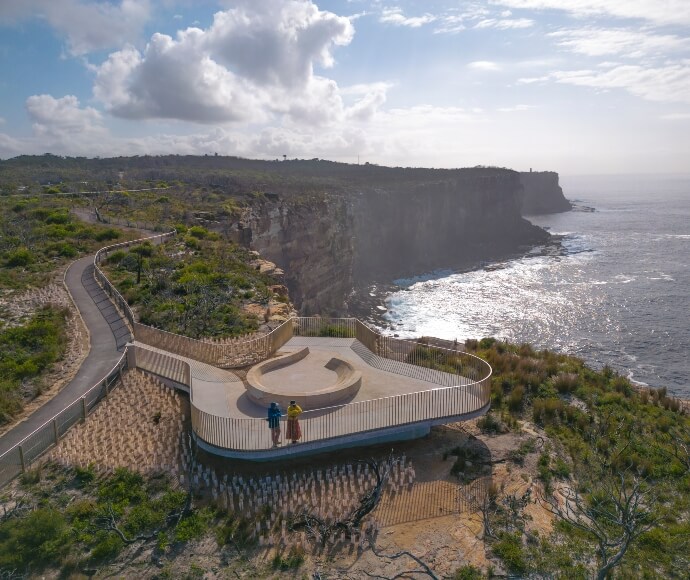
pixel 345 386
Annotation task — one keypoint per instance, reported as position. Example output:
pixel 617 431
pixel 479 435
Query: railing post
pixel 83 408
pixel 55 431
pixel 21 458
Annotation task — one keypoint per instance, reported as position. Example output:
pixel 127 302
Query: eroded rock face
pixel 328 243
pixel 542 194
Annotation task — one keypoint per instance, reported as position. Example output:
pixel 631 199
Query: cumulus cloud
pixel 62 118
pixel 86 25
pixel 254 61
pixel 673 12
pixel 395 16
pixel 59 125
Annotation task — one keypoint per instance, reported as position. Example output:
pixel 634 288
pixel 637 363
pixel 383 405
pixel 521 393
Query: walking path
pixel 109 334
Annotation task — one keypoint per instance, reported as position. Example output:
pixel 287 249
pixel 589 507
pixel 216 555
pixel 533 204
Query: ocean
pixel 615 291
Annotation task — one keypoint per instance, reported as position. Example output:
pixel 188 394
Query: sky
pixel 574 86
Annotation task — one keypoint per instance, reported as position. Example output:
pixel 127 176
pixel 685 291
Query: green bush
pixel 107 235
pixel 19 258
pixel 194 526
pixel 516 399
pixel 292 561
pixel 40 538
pixel 107 548
pixel 468 572
pixel 509 549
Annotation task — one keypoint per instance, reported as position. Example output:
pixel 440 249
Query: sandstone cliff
pixel 330 243
pixel 542 193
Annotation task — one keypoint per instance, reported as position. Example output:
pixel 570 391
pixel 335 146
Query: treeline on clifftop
pixel 234 174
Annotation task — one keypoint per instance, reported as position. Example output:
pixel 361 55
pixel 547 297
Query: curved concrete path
pixel 108 335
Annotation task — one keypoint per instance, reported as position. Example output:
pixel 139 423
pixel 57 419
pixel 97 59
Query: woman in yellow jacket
pixel 294 431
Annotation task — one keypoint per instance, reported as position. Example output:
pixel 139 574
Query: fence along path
pixel 468 390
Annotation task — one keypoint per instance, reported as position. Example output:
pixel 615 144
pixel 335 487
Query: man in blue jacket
pixel 274 423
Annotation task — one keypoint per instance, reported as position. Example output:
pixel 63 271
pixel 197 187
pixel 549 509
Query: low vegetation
pixel 38 235
pixel 196 284
pixel 619 460
pixel 26 351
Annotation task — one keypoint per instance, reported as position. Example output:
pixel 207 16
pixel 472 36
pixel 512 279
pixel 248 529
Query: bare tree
pixel 615 513
pixel 679 442
pixel 321 531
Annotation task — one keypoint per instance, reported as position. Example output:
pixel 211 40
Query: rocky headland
pixel 333 243
pixel 542 194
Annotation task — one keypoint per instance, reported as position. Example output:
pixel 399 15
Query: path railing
pixel 351 419
pixel 19 458
pixel 102 279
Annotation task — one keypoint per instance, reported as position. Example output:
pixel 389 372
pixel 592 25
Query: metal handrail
pixel 52 425
pixel 108 285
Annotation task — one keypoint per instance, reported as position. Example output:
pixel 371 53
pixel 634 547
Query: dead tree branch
pixel 425 568
pixel 321 530
pixel 616 512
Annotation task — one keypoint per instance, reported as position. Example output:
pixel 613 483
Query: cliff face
pixel 542 194
pixel 333 242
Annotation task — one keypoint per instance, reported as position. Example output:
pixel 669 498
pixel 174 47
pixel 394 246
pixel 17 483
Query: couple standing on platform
pixel 294 431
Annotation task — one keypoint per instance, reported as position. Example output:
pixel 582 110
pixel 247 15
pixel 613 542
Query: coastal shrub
pixel 509 549
pixel 26 351
pixel 198 232
pixel 33 541
pixel 490 424
pixel 193 526
pixel 546 411
pixel 107 547
pixel 516 399
pixel 468 572
pixel 336 331
pixel 622 385
pixel 234 529
pixel 565 382
pixel 107 234
pixel 291 561
pixel 544 470
pixel 486 342
pixel 116 257
pixel 19 258
pixel 471 344
pixel 64 249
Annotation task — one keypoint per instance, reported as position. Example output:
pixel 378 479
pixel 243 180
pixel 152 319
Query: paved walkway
pixel 108 334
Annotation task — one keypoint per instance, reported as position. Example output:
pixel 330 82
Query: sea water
pixel 616 293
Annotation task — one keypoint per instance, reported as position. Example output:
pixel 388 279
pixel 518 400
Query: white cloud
pixel 505 23
pixel 87 25
pixel 62 124
pixel 255 61
pixel 64 115
pixel 618 41
pixel 669 83
pixel 395 16
pixel 485 65
pixel 672 12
